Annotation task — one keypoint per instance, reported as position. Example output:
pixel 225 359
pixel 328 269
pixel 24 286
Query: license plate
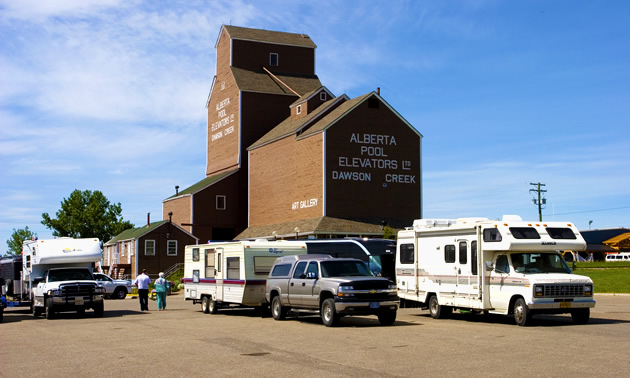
pixel 375 305
pixel 78 301
pixel 565 304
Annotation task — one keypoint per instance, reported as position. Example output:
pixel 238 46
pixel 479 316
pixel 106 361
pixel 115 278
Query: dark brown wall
pixel 293 60
pixel 363 193
pixel 160 262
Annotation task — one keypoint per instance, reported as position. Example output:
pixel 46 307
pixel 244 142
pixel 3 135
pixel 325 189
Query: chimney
pixel 176 189
pixel 148 219
pixel 378 91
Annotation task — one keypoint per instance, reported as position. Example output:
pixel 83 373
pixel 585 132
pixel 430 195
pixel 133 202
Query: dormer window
pixel 299 109
pixel 322 96
pixel 273 59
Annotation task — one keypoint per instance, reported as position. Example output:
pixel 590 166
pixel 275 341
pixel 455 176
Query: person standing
pixel 161 287
pixel 142 282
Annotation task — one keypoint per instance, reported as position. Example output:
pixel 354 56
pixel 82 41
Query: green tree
pixel 87 214
pixel 17 239
pixel 389 233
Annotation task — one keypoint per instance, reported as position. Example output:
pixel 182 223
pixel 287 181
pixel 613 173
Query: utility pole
pixel 540 201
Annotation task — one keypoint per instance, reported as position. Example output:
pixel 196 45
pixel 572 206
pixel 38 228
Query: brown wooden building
pixel 287 158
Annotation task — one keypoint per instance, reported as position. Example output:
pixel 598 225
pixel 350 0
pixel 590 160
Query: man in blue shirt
pixel 143 281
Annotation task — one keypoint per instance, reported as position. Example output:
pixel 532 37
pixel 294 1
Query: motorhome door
pixel 220 275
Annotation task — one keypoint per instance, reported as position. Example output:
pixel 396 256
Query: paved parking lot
pixel 182 341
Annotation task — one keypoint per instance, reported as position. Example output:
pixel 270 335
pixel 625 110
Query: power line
pixel 593 211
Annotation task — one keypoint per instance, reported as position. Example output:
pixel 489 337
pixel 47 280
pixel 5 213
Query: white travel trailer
pixel 233 273
pixel 501 267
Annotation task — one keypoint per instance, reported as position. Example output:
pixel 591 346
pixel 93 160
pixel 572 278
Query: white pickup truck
pixel 117 289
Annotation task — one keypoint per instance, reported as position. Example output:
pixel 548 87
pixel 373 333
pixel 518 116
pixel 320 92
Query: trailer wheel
pixel 581 316
pixel 329 314
pixel 205 304
pixel 213 307
pixel 436 310
pixel 387 318
pixel 49 310
pixel 277 311
pixel 522 315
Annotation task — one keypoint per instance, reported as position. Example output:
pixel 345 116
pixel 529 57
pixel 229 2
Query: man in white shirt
pixel 143 281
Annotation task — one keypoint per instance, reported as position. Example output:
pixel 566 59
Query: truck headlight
pixel 99 290
pixel 538 290
pixel 588 290
pixel 53 292
pixel 344 291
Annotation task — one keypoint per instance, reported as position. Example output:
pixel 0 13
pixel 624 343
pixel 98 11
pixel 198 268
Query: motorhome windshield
pixel 534 263
pixel 69 275
pixel 344 269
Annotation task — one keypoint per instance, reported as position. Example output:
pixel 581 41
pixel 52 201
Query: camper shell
pixel 57 276
pixel 491 266
pixel 232 274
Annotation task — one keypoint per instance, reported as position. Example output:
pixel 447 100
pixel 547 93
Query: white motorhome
pixel 223 274
pixel 57 275
pixel 503 267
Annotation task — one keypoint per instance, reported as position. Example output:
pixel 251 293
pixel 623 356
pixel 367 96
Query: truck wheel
pixel 205 304
pixel 277 311
pixel 581 316
pixel 1 313
pixel 522 315
pixel 329 314
pixel 49 310
pixel 213 307
pixel 81 311
pixel 120 293
pixel 436 310
pixel 387 318
pixel 36 311
pixel 99 309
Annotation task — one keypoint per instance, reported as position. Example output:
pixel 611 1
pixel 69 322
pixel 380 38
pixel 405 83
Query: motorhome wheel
pixel 522 315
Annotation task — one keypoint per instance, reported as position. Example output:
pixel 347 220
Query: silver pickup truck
pixel 330 287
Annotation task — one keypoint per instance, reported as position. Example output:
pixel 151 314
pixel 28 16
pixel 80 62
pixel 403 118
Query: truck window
pixel 299 269
pixel 463 252
pixel 263 264
pixel 312 268
pixel 502 265
pixel 449 253
pixel 491 235
pixel 524 233
pixel 560 233
pixel 344 269
pixel 281 270
pixel 473 257
pixel 406 254
pixel 233 266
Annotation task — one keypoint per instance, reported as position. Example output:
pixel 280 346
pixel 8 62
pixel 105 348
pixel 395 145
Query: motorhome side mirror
pixel 489 266
pixel 311 275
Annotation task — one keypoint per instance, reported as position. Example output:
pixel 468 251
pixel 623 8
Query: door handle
pixel 303 283
pixel 291 283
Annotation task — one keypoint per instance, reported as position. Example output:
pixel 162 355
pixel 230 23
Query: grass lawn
pixel 608 280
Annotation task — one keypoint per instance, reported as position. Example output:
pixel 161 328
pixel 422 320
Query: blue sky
pixel 110 95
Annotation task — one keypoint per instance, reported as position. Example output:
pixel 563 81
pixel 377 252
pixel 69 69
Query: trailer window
pixel 233 266
pixel 561 233
pixel 491 235
pixel 407 254
pixel 195 254
pixel 281 270
pixel 263 264
pixel 449 253
pixel 524 233
pixel 473 257
pixel 196 276
pixel 463 252
pixel 209 255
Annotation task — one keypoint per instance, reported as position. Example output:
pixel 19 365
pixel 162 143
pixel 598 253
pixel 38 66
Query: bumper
pixel 77 301
pixel 366 308
pixel 560 306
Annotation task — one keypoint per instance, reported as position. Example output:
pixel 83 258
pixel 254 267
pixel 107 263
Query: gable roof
pixel 260 81
pixel 134 233
pixel 318 226
pixel 311 94
pixel 196 187
pixel 291 126
pixel 269 36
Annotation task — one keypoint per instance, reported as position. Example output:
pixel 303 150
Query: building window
pixel 299 109
pixel 221 202
pixel 171 248
pixel 149 247
pixel 322 96
pixel 222 85
pixel 273 59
